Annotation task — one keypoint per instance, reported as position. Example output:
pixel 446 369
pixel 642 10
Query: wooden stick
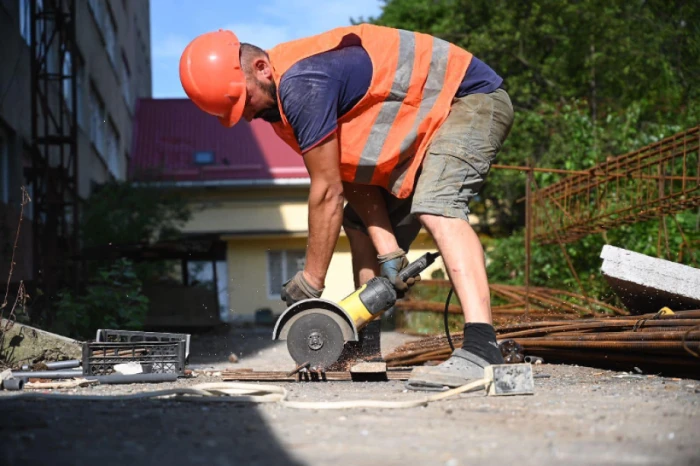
pixel 57 385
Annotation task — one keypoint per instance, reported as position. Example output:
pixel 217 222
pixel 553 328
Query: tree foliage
pixel 589 79
pixel 122 213
pixel 113 299
pixel 119 213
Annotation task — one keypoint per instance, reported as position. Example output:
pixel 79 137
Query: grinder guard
pixel 285 320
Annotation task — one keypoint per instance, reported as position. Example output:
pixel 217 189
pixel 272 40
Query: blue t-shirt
pixel 318 90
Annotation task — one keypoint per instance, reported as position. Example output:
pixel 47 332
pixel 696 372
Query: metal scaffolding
pixel 660 179
pixel 54 172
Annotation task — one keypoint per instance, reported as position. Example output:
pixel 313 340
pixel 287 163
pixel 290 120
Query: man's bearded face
pixel 272 113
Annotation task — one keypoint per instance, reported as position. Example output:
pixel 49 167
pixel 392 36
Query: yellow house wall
pixel 251 210
pixel 255 221
pixel 248 274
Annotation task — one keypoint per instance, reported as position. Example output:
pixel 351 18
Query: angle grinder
pixel 316 330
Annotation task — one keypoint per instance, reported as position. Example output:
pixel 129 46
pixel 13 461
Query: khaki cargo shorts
pixel 455 166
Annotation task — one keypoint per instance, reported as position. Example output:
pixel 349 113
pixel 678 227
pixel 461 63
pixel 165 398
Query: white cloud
pixel 299 19
pixel 315 16
pixel 263 35
pixel 170 47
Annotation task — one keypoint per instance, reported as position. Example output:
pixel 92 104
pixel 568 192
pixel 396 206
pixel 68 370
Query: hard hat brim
pixel 237 108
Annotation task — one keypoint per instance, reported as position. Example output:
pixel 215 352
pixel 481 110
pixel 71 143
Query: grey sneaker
pixel 462 367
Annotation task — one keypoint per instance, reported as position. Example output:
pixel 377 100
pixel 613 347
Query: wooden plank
pixel 281 376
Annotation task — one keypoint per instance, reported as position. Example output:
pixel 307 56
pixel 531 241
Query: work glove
pixel 391 264
pixel 297 288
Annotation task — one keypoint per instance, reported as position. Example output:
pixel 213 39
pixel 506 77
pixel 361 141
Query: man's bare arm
pixel 368 203
pixel 325 209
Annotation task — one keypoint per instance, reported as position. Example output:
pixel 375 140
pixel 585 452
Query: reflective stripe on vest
pixel 384 137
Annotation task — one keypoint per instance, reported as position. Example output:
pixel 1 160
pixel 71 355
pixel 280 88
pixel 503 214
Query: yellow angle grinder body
pixel 316 330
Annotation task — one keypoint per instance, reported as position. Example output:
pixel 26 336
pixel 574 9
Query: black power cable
pixel 447 327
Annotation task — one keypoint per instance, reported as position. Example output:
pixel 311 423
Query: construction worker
pixel 401 125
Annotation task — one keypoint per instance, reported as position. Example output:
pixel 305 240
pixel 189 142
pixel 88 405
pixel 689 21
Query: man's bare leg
pixel 464 259
pixel 364 268
pixel 463 255
pixel 364 256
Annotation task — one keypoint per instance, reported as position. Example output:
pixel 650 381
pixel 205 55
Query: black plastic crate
pixel 160 357
pixel 131 336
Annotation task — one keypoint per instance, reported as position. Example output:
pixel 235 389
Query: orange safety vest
pixel 384 137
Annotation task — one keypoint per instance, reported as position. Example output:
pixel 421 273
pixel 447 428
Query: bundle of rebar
pixel 665 343
pixel 519 303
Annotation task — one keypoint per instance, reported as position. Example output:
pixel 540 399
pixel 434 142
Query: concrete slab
pixel 646 284
pixel 23 344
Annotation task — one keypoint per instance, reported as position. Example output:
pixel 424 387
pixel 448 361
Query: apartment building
pixel 112 60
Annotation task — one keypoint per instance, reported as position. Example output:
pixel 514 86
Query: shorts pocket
pixel 501 119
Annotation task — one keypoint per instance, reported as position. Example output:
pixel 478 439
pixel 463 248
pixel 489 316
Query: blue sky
pixel 264 23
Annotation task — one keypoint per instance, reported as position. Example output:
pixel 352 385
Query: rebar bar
pixel 662 343
pixel 657 180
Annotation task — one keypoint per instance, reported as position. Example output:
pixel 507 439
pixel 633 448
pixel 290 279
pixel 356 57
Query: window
pixel 222 290
pixel 4 170
pixel 67 83
pixel 113 164
pixel 202 274
pixel 79 85
pixel 110 37
pixel 30 206
pixel 25 21
pixel 80 90
pixel 105 23
pixel 281 266
pixel 47 44
pixel 203 158
pixel 97 121
pixel 98 11
pixel 126 83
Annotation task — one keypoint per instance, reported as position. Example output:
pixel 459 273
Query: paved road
pixel 577 416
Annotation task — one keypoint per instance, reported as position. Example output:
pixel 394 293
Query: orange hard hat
pixel 211 75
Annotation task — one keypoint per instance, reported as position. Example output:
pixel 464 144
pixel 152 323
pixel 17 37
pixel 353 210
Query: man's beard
pixel 272 113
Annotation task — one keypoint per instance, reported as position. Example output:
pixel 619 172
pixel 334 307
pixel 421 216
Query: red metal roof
pixel 168 132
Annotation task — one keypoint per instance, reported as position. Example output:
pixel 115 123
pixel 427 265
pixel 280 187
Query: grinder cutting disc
pixel 316 337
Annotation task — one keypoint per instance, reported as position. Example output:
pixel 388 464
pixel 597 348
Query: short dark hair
pixel 249 52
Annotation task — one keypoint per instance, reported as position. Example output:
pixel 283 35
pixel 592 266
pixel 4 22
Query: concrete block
pixel 646 284
pixel 23 344
pixel 368 368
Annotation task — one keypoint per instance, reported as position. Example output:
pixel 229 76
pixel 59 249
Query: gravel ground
pixel 578 415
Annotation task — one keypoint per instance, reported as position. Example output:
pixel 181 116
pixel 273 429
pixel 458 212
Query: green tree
pixel 119 213
pixel 123 213
pixel 112 299
pixel 589 79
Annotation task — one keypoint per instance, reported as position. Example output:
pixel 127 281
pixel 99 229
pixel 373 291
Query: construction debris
pixel 13 384
pixel 645 284
pixel 7 382
pixel 59 385
pixel 22 344
pixel 306 376
pixel 63 374
pixel 368 368
pixel 52 366
pixel 667 343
